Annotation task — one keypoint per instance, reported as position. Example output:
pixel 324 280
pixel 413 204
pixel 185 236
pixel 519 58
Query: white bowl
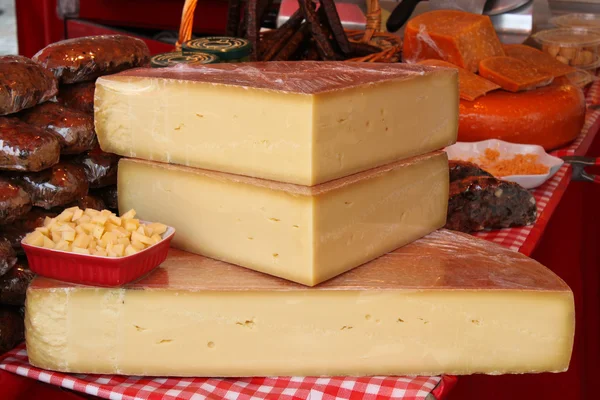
pixel 465 151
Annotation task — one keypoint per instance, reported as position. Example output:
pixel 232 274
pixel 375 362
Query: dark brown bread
pixel 464 169
pixel 85 59
pixel 100 167
pixel 79 96
pixel 58 186
pixel 89 201
pixel 23 84
pixel 74 129
pixel 481 202
pixel 14 202
pixel 25 147
pixel 109 195
pixel 8 257
pixel 13 284
pixel 12 329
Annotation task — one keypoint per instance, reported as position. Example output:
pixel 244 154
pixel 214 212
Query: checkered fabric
pixel 549 194
pixel 284 388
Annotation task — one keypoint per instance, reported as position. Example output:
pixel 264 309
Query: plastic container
pixel 573 46
pixel 228 49
pixel 97 270
pixel 577 20
pixel 581 78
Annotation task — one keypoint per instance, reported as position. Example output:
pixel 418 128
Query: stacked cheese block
pixel 303 171
pixel 299 170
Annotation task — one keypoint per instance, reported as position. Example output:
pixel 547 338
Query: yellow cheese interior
pixel 278 333
pixel 288 137
pixel 303 238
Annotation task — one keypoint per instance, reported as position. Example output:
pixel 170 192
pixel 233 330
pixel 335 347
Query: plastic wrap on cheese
pixel 461 38
pixel 550 117
pixel 85 59
pixel 470 85
pixel 23 84
pixel 306 77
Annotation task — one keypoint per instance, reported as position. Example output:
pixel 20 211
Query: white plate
pixel 464 151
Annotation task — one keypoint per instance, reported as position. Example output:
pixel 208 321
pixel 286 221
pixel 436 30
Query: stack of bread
pixel 50 159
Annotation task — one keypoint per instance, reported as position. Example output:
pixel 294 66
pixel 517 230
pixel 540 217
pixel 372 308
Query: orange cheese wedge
pixel 541 61
pixel 471 86
pixel 513 74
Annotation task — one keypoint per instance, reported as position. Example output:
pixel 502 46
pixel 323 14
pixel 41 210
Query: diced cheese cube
pixel 130 224
pixel 118 249
pixel 35 238
pixel 115 220
pixel 99 219
pixel 98 231
pixel 48 244
pixel 128 215
pixel 84 219
pixel 129 250
pixel 68 235
pixel 66 216
pixel 138 245
pixel 91 212
pixel 88 227
pixel 56 236
pixel 158 228
pixel 124 241
pixel 80 250
pixel 156 238
pixel 77 214
pixel 141 238
pixel 101 252
pixel 81 240
pixel 43 230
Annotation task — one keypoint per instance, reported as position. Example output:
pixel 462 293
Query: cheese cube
pixel 303 234
pixel 299 122
pixel 446 304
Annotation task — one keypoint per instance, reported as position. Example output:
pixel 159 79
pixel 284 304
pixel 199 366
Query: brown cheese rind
pixel 13 285
pixel 79 96
pixel 25 147
pixel 84 59
pixel 482 202
pixel 12 329
pixel 74 129
pixel 23 84
pixel 58 186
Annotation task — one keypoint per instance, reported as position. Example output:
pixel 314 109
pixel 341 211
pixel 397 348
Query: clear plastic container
pixel 581 78
pixel 573 46
pixel 577 20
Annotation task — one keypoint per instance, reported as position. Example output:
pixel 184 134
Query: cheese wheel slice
pixel 541 61
pixel 551 116
pixel 471 86
pixel 461 38
pixel 513 74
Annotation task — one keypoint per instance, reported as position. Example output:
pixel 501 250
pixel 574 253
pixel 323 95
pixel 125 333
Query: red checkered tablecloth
pixel 284 388
pixel 302 388
pixel 549 194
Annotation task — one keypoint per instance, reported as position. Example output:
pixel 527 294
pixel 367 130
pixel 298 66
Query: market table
pixel 542 241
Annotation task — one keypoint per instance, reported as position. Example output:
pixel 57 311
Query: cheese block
pixel 470 85
pixel 513 74
pixel 304 234
pixel 297 122
pixel 448 303
pixel 461 38
pixel 550 117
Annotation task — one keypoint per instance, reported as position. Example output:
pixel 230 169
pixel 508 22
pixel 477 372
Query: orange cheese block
pixel 551 116
pixel 471 86
pixel 461 38
pixel 541 61
pixel 513 74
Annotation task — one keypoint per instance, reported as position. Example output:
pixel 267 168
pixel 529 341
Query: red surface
pixel 37 25
pixel 95 270
pixel 16 387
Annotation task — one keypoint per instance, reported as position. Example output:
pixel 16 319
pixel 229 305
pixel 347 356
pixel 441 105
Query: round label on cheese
pixel 225 47
pixel 174 58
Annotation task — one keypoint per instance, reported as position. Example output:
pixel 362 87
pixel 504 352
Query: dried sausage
pixel 23 84
pixel 79 96
pixel 26 148
pixel 74 129
pixel 58 186
pixel 85 59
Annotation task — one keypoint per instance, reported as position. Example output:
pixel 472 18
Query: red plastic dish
pixel 97 270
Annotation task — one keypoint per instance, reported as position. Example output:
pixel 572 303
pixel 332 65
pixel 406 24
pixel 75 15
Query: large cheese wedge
pixel 448 303
pixel 461 38
pixel 304 234
pixel 551 116
pixel 299 122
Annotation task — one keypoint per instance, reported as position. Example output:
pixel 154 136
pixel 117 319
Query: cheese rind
pixel 304 234
pixel 448 303
pixel 304 123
